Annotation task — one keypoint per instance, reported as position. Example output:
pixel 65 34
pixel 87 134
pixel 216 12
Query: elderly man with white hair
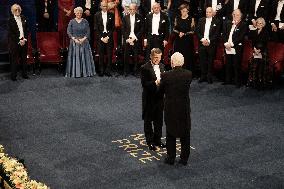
pixel 175 86
pixel 17 41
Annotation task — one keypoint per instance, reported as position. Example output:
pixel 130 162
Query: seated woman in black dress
pixel 258 68
pixel 183 42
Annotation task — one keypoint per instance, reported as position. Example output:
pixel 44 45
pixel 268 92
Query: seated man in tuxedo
pixel 156 30
pixel 277 21
pixel 104 27
pixel 207 31
pixel 152 100
pixel 132 30
pixel 233 36
pixel 17 41
pixel 175 85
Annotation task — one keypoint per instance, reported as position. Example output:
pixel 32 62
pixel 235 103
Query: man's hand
pixel 274 27
pixel 228 46
pixel 22 42
pixel 181 34
pixel 157 82
pixel 145 43
pixel 46 15
pixel 68 12
pixel 165 43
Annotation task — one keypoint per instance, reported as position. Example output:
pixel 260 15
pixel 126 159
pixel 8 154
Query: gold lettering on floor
pixel 135 145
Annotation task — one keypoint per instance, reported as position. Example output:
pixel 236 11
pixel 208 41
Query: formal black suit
pixel 233 62
pixel 90 18
pixel 132 49
pixel 208 3
pixel 175 84
pixel 156 41
pixel 146 6
pixel 262 10
pixel 229 8
pixel 102 47
pixel 279 35
pixel 207 53
pixel 152 104
pixel 45 24
pixel 18 53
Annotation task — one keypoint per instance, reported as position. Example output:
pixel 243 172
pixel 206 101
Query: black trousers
pixel 18 54
pixel 206 57
pixel 130 50
pixel 150 135
pixel 171 147
pixel 102 48
pixel 233 67
pixel 154 41
pixel 277 36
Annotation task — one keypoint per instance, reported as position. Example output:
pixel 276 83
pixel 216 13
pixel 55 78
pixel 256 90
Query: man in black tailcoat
pixel 152 100
pixel 104 27
pixel 17 41
pixel 207 31
pixel 132 29
pixel 175 85
pixel 156 30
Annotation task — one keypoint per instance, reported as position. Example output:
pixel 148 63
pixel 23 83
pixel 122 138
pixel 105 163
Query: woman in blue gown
pixel 80 62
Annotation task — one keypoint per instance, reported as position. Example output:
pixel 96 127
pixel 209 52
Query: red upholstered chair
pixel 219 62
pixel 247 55
pixel 48 44
pixel 276 57
pixel 30 57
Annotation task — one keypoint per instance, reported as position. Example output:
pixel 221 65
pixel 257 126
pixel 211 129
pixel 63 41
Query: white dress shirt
pixel 155 24
pixel 279 8
pixel 236 4
pixel 157 71
pixel 132 25
pixel 257 2
pixel 206 30
pixel 104 16
pixel 88 4
pixel 230 40
pixel 214 5
pixel 20 26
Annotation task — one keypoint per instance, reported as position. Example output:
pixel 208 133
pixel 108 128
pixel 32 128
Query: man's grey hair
pixel 177 59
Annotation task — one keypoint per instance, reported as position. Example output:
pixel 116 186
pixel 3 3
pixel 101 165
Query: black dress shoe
pixel 160 144
pixel 202 80
pixel 226 83
pixel 182 162
pixel 101 75
pixel 152 147
pixel 108 74
pixel 169 161
pixel 26 77
pixel 210 81
pixel 14 79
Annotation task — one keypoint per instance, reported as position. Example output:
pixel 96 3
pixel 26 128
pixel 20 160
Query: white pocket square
pixel 138 20
pixel 214 24
pixel 261 6
pixel 163 21
pixel 110 18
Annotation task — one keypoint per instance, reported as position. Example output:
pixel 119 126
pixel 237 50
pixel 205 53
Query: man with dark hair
pixel 152 101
